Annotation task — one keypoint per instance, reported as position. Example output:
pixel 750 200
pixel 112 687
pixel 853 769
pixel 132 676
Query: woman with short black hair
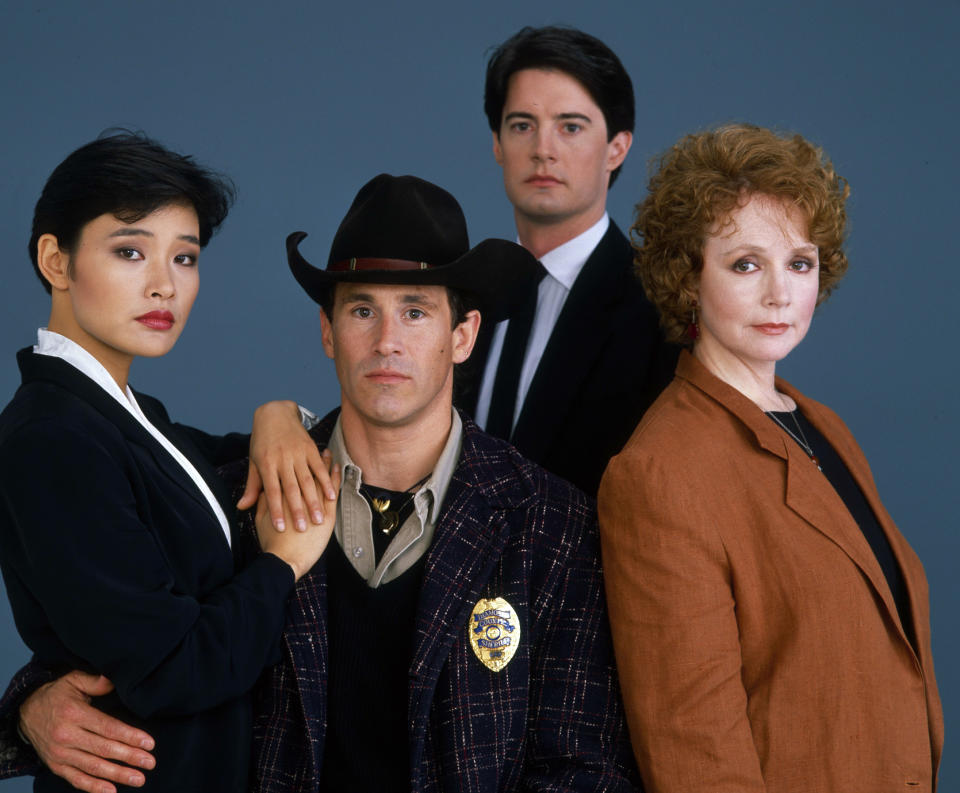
pixel 115 540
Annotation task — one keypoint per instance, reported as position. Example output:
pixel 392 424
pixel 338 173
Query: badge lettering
pixel 494 632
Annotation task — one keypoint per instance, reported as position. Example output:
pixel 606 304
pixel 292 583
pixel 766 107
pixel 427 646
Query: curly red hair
pixel 701 179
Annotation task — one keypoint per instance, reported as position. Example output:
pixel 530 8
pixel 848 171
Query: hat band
pixel 377 264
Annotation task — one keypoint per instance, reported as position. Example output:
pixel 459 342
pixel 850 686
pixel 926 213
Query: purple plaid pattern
pixel 552 720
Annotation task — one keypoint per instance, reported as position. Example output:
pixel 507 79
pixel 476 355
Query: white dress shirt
pixel 563 264
pixel 57 346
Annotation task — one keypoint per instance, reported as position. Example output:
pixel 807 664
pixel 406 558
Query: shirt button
pixel 357 552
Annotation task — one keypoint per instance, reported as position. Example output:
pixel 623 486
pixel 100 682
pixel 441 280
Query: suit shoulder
pixel 615 284
pixel 48 404
pixel 508 479
pixel 47 425
pixel 823 412
pixel 683 427
pixel 558 498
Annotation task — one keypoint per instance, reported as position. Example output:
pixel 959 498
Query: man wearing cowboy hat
pixel 454 635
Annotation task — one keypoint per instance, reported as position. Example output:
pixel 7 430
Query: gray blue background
pixel 302 102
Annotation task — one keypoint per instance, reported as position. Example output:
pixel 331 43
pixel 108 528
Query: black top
pixel 115 563
pixel 370 639
pixel 846 487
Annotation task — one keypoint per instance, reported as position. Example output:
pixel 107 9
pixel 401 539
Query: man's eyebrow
pixel 356 296
pixel 513 114
pixel 578 116
pixel 145 233
pixel 419 298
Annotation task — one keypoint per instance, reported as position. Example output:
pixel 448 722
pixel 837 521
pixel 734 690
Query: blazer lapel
pixel 858 548
pixel 812 497
pixel 469 540
pixel 808 492
pixel 577 338
pixel 209 474
pixel 58 371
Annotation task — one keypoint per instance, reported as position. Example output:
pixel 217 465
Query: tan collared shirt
pixel 354 526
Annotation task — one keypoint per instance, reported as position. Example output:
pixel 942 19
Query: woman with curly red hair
pixel 771 623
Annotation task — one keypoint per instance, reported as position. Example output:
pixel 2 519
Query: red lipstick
pixel 773 328
pixel 158 320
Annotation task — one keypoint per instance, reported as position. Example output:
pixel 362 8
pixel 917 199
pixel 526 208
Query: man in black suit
pixel 568 377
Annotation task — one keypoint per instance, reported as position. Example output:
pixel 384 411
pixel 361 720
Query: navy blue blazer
pixel 604 365
pixel 115 563
pixel 552 720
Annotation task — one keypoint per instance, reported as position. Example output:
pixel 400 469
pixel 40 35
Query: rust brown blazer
pixel 758 644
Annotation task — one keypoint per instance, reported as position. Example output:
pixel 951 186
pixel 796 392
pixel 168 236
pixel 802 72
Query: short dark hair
pixel 128 175
pixel 585 58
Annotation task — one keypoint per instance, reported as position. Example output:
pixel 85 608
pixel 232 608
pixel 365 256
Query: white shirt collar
pixel 57 346
pixel 565 261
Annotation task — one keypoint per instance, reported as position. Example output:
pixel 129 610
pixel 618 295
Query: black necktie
pixel 507 381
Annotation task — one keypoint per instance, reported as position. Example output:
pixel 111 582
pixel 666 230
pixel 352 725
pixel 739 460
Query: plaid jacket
pixel 552 720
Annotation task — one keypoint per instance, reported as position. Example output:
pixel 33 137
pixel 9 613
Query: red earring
pixel 693 329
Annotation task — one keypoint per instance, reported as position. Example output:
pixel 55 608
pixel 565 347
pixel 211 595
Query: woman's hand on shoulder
pixel 299 549
pixel 287 467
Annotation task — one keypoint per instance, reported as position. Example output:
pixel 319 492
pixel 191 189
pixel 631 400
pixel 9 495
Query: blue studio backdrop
pixel 302 102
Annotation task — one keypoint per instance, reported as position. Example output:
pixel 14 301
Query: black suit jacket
pixel 604 365
pixel 115 563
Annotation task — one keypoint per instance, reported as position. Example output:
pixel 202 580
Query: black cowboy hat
pixel 404 230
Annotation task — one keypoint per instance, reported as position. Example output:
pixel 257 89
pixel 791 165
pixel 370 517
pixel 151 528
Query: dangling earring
pixel 693 329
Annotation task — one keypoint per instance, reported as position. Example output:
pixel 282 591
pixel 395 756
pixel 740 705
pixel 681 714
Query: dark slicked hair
pixel 586 59
pixel 128 175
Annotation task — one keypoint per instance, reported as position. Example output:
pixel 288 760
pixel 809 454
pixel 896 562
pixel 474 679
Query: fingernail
pixel 135 779
pixel 279 525
pixel 317 516
pixel 301 524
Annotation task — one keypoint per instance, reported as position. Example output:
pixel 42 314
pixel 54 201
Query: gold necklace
pixel 389 519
